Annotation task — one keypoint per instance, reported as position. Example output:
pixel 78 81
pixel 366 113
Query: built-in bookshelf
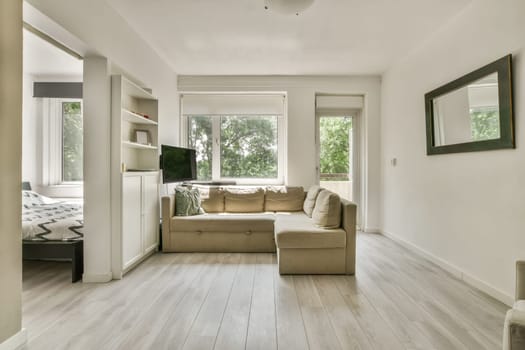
pixel 134 174
pixel 135 110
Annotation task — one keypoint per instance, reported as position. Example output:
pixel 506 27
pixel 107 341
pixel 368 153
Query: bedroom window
pixel 63 142
pixel 248 149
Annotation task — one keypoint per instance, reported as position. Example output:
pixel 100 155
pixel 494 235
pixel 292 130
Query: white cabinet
pixel 134 175
pixel 150 212
pixel 132 249
pixel 140 217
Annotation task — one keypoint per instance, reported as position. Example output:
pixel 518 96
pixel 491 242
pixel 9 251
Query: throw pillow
pixel 284 199
pixel 244 200
pixel 327 210
pixel 212 199
pixel 309 202
pixel 187 201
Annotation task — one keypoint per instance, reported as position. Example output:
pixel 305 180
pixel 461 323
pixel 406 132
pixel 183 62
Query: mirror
pixel 472 113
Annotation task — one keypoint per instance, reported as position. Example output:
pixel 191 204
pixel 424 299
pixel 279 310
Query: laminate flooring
pixel 396 300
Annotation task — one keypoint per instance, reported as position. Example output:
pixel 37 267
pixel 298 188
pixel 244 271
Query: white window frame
pixel 52 152
pixel 216 151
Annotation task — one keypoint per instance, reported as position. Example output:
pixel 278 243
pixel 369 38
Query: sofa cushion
pixel 309 202
pixel 284 199
pixel 212 199
pixel 327 210
pixel 296 230
pixel 224 222
pixel 244 200
pixel 187 201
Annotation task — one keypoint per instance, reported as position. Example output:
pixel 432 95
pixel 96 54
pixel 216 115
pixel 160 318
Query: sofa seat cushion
pixel 224 222
pixel 296 230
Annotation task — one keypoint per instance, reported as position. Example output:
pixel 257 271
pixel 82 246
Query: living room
pixel 438 236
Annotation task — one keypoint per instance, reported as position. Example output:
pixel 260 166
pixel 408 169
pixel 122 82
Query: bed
pixel 52 230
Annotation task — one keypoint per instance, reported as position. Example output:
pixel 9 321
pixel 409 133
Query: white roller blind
pixel 339 102
pixel 232 104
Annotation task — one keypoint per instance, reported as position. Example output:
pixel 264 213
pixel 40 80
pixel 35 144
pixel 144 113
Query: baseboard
pixel 97 277
pixel 16 342
pixel 372 230
pixel 454 270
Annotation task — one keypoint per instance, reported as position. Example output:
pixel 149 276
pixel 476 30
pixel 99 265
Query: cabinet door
pixel 131 220
pixel 151 211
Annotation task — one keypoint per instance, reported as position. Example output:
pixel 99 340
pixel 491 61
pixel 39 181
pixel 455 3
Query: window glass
pixel 249 146
pixel 72 139
pixel 245 147
pixel 484 123
pixel 200 138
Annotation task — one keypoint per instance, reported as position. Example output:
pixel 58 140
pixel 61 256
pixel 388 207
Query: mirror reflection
pixel 467 114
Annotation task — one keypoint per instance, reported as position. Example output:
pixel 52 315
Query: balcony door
pixel 336 167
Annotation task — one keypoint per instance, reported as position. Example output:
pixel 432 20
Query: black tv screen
pixel 177 164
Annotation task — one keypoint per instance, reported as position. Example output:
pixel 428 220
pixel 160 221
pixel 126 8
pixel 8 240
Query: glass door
pixel 336 155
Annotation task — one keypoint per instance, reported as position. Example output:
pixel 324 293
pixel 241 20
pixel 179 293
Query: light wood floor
pixel 396 300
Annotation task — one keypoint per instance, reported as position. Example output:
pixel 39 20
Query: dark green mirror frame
pixel 435 100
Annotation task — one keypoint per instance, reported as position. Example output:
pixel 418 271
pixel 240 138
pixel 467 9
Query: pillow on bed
pixel 33 199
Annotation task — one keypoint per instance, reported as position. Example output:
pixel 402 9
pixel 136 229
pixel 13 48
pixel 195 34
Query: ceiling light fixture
pixel 287 7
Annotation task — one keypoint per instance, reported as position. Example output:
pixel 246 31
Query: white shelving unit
pixel 135 198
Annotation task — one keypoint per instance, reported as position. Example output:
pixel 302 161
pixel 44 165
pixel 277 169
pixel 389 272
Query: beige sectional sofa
pixel 312 235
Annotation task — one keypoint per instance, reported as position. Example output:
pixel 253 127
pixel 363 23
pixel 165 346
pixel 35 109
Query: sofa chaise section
pixel 304 248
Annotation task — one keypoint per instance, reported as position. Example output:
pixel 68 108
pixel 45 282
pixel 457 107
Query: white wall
pixel 465 210
pixel 99 31
pixel 301 93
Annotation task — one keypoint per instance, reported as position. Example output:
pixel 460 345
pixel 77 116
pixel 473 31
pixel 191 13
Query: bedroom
pixel 52 149
pixel 461 212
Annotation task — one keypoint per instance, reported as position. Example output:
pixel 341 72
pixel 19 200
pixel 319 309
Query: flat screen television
pixel 177 164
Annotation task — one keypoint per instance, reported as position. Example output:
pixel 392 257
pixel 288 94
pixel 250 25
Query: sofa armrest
pixel 168 211
pixel 514 330
pixel 348 223
pixel 520 280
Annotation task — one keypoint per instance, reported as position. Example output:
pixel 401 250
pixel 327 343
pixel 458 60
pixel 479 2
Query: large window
pixel 63 141
pixel 245 148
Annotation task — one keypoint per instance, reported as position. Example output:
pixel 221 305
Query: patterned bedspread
pixel 46 219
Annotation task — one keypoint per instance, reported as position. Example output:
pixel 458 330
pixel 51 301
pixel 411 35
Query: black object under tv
pixel 177 164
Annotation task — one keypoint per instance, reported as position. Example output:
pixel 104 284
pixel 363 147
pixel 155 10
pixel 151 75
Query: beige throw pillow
pixel 284 199
pixel 309 202
pixel 327 210
pixel 212 199
pixel 244 200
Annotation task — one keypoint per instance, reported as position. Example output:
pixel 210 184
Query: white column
pixel 10 173
pixel 97 160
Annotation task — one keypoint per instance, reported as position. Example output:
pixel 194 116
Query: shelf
pixel 136 118
pixel 137 145
pixel 136 91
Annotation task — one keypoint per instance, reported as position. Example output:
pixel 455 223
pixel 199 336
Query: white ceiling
pixel 234 37
pixel 43 59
